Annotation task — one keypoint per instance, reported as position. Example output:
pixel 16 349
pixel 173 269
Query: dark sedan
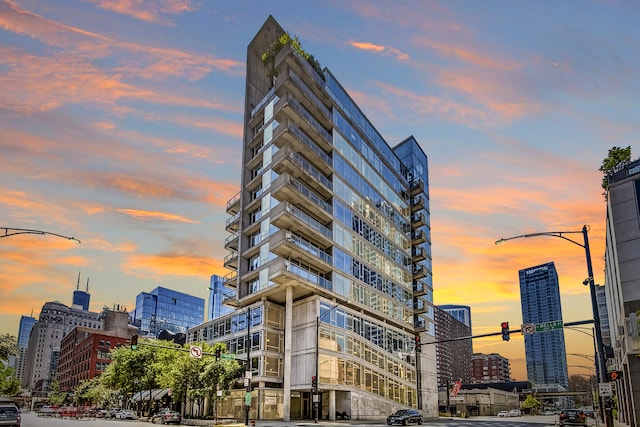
pixel 405 417
pixel 572 416
pixel 166 416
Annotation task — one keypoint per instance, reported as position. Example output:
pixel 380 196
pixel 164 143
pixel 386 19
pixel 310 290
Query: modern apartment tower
pixel 329 251
pixel 622 286
pixel 545 351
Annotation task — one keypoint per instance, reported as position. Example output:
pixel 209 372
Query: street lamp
pixel 316 379
pixel 14 231
pixel 601 361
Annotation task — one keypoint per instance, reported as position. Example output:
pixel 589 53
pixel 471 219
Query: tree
pixel 9 384
pixel 531 403
pixel 615 161
pixel 8 346
pixel 56 397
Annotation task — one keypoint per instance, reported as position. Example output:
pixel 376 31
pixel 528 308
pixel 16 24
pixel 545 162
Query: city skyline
pixel 122 127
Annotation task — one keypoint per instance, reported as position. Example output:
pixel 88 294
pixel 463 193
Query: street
pixel 32 420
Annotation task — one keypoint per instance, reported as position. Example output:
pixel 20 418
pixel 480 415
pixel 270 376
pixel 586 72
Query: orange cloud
pixel 160 216
pixel 172 264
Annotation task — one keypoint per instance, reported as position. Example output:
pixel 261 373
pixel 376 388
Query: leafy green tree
pixel 131 371
pixel 96 392
pixel 56 397
pixel 531 403
pixel 9 384
pixel 8 346
pixel 616 160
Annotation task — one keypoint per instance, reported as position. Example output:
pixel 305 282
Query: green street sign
pixel 549 326
pixel 228 356
pixel 247 399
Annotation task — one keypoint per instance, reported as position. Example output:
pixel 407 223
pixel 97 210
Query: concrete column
pixel 332 405
pixel 288 326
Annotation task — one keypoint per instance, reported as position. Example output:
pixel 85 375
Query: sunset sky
pixel 121 125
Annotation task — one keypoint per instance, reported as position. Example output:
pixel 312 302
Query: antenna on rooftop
pixel 87 285
pixel 78 284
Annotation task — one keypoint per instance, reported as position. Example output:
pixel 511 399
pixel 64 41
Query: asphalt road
pixel 32 420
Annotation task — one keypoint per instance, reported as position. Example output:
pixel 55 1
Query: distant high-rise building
pixel 622 285
pixel 81 299
pixel 217 294
pixel 453 358
pixel 460 312
pixel 55 322
pixel 164 309
pixel 490 368
pixel 545 351
pixel 330 244
pixel 601 300
pixel 26 325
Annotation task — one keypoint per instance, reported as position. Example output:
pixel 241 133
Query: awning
pixel 156 394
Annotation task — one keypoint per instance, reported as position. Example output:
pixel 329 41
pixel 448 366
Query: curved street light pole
pixel 601 361
pixel 8 232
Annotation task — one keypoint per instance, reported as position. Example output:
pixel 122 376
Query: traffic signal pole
pixel 493 334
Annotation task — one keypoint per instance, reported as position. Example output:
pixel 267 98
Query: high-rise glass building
pixel 545 351
pixel 218 293
pixel 164 309
pixel 329 248
pixel 24 331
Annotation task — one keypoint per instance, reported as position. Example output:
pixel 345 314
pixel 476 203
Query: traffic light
pixel 505 331
pixel 614 375
pixel 314 382
pixel 418 344
pixel 134 342
pixel 218 351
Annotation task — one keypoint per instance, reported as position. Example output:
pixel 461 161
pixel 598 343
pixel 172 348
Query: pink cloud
pixel 148 11
pixel 146 215
pixel 376 48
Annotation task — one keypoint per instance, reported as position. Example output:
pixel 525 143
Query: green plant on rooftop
pixel 269 56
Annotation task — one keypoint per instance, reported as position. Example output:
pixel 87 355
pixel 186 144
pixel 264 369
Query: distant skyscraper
pixel 26 325
pixel 166 309
pixel 460 312
pixel 217 293
pixel 545 351
pixel 601 299
pixel 81 298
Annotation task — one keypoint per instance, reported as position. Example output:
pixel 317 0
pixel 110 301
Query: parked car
pixel 404 417
pixel 515 413
pixel 167 416
pixel 572 417
pixel 502 414
pixel 9 414
pixel 125 414
pixel 111 413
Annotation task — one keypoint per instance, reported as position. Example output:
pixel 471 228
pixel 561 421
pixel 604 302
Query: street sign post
pixel 549 326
